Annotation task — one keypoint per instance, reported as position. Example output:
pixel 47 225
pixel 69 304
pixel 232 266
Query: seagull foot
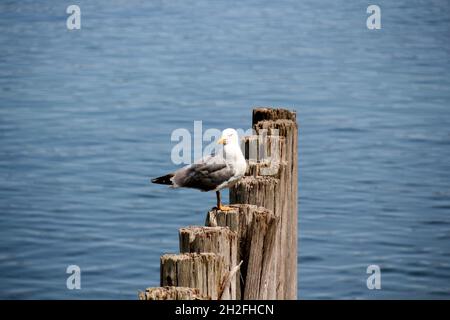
pixel 224 208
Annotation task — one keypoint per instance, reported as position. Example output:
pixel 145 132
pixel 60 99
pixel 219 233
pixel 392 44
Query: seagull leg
pixel 218 198
pixel 219 204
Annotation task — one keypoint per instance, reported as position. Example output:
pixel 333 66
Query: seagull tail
pixel 167 179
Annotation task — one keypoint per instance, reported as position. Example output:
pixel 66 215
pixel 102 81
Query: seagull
pixel 212 173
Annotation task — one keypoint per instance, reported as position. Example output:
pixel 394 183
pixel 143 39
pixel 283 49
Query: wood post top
pixel 266 113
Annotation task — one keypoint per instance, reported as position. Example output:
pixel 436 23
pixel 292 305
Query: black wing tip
pixel 164 179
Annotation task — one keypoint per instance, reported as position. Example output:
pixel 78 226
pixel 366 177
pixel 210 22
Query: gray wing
pixel 206 174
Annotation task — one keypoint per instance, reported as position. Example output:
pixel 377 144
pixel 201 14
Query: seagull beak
pixel 222 141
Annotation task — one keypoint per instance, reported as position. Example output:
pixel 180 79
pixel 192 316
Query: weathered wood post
pixel 256 231
pixel 249 252
pixel 172 293
pixel 276 190
pixel 194 270
pixel 219 240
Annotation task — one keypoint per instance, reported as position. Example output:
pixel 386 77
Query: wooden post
pixel 218 240
pixel 255 228
pixel 194 270
pixel 277 192
pixel 261 230
pixel 172 293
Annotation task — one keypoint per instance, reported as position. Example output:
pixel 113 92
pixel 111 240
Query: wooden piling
pixel 256 231
pixel 249 252
pixel 277 192
pixel 172 293
pixel 219 240
pixel 203 271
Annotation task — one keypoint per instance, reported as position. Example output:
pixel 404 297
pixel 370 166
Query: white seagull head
pixel 229 136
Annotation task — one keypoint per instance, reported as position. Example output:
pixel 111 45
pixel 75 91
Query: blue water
pixel 86 118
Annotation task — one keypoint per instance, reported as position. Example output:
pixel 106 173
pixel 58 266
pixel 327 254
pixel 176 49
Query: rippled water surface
pixel 86 118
